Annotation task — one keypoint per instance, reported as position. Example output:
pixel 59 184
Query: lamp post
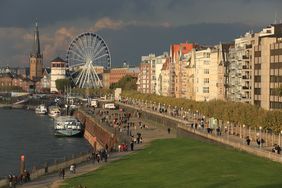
pixel 280 138
pixel 243 131
pixel 194 122
pixel 228 130
pixel 260 136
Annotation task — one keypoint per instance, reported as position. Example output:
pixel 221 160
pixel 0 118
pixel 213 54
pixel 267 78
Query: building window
pixel 206 89
pixel 206 71
pixel 206 80
pixel 257 91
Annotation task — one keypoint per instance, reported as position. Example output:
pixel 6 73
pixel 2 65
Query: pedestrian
pixel 132 145
pixel 93 157
pixel 72 168
pixel 258 141
pixel 63 173
pixel 105 153
pixel 10 179
pixel 248 140
pixel 98 157
pixel 278 148
pixel 168 130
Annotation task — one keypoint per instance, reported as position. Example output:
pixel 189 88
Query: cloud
pixel 111 24
pixel 127 39
pixel 107 23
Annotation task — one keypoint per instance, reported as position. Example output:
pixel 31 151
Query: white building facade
pixel 58 71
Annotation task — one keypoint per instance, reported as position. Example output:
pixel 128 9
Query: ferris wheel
pixel 87 53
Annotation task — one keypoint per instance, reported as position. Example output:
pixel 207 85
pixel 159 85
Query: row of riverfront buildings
pixel 248 69
pixel 42 79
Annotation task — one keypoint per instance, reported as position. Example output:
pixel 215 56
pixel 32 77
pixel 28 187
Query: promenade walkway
pixel 229 137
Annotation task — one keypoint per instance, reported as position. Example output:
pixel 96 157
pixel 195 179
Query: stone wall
pixel 94 133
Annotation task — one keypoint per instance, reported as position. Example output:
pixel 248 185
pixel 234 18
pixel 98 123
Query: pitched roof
pixel 58 59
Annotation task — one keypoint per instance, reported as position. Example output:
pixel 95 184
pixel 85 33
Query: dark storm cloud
pixel 134 42
pixel 131 27
pixel 23 12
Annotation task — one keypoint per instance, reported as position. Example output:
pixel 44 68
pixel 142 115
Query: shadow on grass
pixel 270 186
pixel 231 184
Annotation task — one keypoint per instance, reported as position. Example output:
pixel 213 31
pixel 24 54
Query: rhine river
pixel 24 132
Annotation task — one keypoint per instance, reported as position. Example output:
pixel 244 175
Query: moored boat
pixel 67 126
pixel 54 111
pixel 41 110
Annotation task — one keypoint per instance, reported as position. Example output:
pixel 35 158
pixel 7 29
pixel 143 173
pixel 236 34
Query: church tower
pixel 36 57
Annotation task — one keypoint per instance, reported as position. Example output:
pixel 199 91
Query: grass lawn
pixel 184 163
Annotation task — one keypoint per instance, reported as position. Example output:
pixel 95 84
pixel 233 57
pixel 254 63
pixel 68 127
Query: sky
pixel 131 28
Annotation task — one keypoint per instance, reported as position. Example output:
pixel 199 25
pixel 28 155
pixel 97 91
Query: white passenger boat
pixel 41 109
pixel 67 126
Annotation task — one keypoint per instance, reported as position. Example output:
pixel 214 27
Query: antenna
pixel 275 19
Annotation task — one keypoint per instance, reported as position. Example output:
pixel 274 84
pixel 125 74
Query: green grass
pixel 184 163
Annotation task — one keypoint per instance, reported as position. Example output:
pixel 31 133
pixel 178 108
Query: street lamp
pixel 260 136
pixel 280 138
pixel 194 122
pixel 228 130
pixel 243 136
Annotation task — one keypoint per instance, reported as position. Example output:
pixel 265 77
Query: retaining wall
pixel 94 133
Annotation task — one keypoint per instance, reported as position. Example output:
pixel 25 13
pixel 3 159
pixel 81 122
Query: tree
pixel 125 83
pixel 62 84
pixel 238 113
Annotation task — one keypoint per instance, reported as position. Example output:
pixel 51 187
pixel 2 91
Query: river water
pixel 24 132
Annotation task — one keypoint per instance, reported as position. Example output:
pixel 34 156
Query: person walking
pixel 248 140
pixel 168 130
pixel 63 173
pixel 132 145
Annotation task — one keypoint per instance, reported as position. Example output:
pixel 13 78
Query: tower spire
pixel 36 43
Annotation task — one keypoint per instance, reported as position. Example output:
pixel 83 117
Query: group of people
pixel 22 178
pixel 98 156
pixel 276 149
pixel 62 171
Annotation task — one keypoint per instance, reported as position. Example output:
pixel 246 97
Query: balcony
pixel 245 67
pixel 246 87
pixel 246 77
pixel 248 46
pixel 245 57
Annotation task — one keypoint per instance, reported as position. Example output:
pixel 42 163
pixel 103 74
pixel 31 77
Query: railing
pixel 49 168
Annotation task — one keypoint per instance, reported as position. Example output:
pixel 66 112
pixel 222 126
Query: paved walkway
pixel 54 181
pixel 225 136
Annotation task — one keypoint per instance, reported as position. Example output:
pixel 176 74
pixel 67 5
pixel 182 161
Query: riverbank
pixel 26 133
pixel 152 132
